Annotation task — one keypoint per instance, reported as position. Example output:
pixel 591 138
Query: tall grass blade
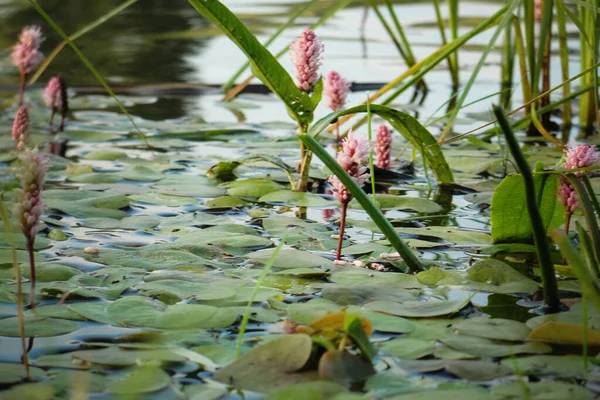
pixel 407 126
pixel 89 27
pixel 587 249
pixel 506 19
pixel 264 64
pixel 89 65
pixel 17 272
pixel 588 211
pixel 371 209
pixel 542 246
pixel 418 70
pixel 589 284
pixel 265 271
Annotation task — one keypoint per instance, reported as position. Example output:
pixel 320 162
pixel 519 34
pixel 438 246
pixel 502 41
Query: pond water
pixel 158 257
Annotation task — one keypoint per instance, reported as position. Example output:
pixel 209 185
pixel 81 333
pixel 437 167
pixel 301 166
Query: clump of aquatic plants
pixel 321 314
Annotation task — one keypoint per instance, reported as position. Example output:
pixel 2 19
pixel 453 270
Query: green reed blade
pixel 389 31
pixel 89 27
pixel 90 66
pixel 588 211
pixel 407 126
pixel 542 246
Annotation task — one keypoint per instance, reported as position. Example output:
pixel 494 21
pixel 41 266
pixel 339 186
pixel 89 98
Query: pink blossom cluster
pixel 383 147
pixel 32 172
pixel 306 54
pixel 576 157
pixel 20 128
pixel 352 158
pixel 26 55
pixel 55 94
pixel 336 89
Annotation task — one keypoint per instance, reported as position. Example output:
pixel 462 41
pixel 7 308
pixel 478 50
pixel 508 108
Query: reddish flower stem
pixel 338 254
pixel 31 271
pixel 22 88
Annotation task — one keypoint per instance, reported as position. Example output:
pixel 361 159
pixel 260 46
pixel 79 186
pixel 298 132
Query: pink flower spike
pixel 26 55
pixel 576 157
pixel 352 158
pixel 383 147
pixel 28 211
pixel 55 97
pixel 20 128
pixel 306 56
pixel 336 90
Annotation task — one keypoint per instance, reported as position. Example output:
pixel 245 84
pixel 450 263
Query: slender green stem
pixel 370 136
pixel 585 324
pixel 373 211
pixel 338 253
pixel 19 283
pixel 32 271
pixel 539 232
pixel 261 278
pixel 588 211
pixel 390 32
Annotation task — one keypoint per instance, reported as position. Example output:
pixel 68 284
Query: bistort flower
pixel 306 54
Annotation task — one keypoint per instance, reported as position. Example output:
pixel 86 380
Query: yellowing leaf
pixel 563 333
pixel 335 321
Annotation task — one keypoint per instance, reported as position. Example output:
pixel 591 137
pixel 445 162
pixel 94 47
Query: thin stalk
pixel 551 299
pixel 17 272
pixel 261 278
pixel 390 32
pixel 585 338
pixel 454 22
pixel 587 249
pixel 371 209
pixel 442 28
pixel 508 61
pixel 564 67
pixel 370 136
pixel 31 254
pixel 21 88
pixel 588 211
pixel 592 196
pixel 89 27
pixel 338 253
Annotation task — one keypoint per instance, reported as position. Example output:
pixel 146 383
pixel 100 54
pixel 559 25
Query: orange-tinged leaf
pixel 563 333
pixel 335 321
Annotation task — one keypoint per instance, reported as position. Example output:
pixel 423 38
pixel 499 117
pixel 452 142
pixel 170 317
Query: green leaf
pixel 408 127
pixel 263 63
pixel 418 309
pixel 498 277
pixel 394 202
pixel 354 328
pixel 270 366
pixel 13 373
pixel 487 348
pixel 37 327
pixel 140 380
pixel 546 390
pixel 493 328
pixel 510 218
pixel 408 348
pixel 298 199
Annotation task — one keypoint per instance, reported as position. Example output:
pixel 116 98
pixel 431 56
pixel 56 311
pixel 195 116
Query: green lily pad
pixel 298 199
pixel 13 373
pixel 163 199
pixel 498 277
pixel 231 239
pixel 290 258
pixel 270 366
pixel 37 327
pixel 140 380
pixel 30 391
pixel 418 309
pixel 566 365
pixel 105 155
pixel 116 357
pixel 487 348
pixel 225 202
pixel 493 328
pixel 408 348
pixel 393 202
pixel 449 234
pixel 361 276
pixel 546 390
pixel 254 188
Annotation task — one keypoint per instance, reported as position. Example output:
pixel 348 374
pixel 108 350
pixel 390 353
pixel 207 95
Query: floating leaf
pixel 564 333
pixel 163 199
pixel 140 380
pixel 298 199
pixel 546 390
pixel 487 348
pixel 492 328
pixel 13 373
pixel 394 202
pixel 37 327
pixel 270 366
pixel 408 348
pixel 418 309
pixel 572 366
pixel 290 258
pixel 498 277
pixel 449 234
